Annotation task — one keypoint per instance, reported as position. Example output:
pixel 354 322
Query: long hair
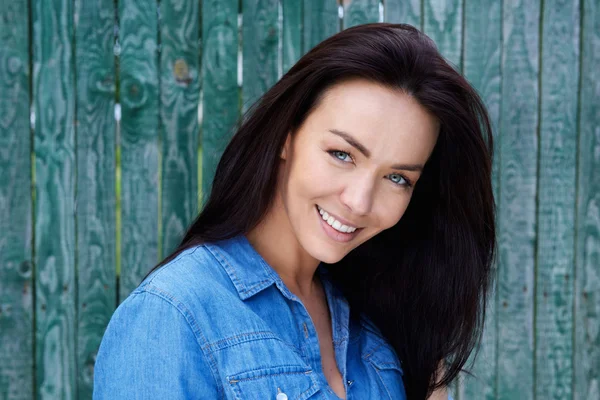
pixel 423 282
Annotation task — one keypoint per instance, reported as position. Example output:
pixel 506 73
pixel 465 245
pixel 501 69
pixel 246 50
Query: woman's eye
pixel 399 180
pixel 341 155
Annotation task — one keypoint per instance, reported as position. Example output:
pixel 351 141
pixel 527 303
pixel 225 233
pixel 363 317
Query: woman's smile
pixel 336 229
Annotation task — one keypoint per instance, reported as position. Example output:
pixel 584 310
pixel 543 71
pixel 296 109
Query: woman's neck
pixel 275 240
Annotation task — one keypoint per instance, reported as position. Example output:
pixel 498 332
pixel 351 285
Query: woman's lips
pixel 334 234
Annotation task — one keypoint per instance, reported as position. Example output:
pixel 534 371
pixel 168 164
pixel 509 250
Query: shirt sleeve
pixel 149 351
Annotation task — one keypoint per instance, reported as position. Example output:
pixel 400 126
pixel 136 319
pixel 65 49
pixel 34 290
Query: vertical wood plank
pixel 403 12
pixel 219 69
pixel 179 96
pixel 586 358
pixel 442 22
pixel 517 200
pixel 54 144
pixel 139 140
pixel 321 20
pixel 96 197
pixel 556 204
pixel 482 59
pixel 357 12
pixel 16 295
pixel 260 33
pixel 292 33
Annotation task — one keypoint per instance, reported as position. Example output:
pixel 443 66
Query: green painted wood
pixel 260 48
pixel 403 12
pixel 139 141
pixel 586 355
pixel 96 197
pixel 357 12
pixel 321 20
pixel 518 149
pixel 292 33
pixel 179 96
pixel 481 66
pixel 16 278
pixel 220 95
pixel 54 248
pixel 442 22
pixel 556 200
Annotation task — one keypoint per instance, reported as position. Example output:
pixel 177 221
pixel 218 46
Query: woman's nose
pixel 358 195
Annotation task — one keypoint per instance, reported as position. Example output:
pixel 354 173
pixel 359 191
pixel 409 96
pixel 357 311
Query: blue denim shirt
pixel 218 322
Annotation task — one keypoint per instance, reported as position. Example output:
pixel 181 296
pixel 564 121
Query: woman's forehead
pixel 375 115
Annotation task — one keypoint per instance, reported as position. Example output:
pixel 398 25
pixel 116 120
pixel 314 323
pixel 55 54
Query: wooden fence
pixel 104 150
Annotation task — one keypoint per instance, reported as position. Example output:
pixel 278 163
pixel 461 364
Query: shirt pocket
pixel 290 382
pixel 388 369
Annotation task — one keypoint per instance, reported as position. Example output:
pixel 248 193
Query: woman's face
pixel 350 169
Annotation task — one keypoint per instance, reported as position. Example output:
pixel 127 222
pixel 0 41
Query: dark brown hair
pixel 424 281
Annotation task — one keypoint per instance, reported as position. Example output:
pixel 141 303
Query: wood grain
pixel 586 357
pixel 179 96
pixel 16 264
pixel 221 95
pixel 556 200
pixel 442 22
pixel 481 66
pixel 54 144
pixel 321 20
pixel 357 12
pixel 403 12
pixel 139 141
pixel 260 48
pixel 292 33
pixel 96 197
pixel 518 149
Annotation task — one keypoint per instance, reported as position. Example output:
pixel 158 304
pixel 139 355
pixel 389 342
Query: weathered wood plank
pixel 357 12
pixel 16 295
pixel 139 140
pixel 179 96
pixel 403 12
pixel 321 20
pixel 556 200
pixel 586 359
pixel 481 66
pixel 260 33
pixel 96 198
pixel 292 33
pixel 54 249
pixel 219 70
pixel 443 23
pixel 517 208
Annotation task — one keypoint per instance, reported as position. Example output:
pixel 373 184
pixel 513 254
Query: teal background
pixel 113 115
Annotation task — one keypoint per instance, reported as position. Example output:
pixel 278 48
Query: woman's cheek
pixel 392 209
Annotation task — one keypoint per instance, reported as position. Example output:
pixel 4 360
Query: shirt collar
pixel 251 274
pixel 248 271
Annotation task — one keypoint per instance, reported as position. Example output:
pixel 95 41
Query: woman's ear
pixel 286 147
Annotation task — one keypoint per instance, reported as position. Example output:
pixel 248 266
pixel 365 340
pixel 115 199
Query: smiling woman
pixel 345 248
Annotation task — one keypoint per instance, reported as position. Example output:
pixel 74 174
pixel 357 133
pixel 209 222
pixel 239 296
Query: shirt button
pixel 282 396
pixel 350 382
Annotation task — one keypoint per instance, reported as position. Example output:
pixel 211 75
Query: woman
pixel 346 246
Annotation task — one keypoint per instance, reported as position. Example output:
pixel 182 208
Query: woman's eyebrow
pixel 360 147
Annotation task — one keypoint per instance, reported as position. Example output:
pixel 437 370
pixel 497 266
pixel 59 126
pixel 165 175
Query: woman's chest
pixel 253 365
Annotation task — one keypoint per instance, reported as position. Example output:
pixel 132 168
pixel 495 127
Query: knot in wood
pixel 181 71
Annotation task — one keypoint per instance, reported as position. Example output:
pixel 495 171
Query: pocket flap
pixel 295 381
pixel 385 358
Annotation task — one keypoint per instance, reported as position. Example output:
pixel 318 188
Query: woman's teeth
pixel 334 223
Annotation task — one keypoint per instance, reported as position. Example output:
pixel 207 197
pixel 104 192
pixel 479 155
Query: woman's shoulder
pixel 193 282
pixel 192 269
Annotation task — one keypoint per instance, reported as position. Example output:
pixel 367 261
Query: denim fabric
pixel 219 323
